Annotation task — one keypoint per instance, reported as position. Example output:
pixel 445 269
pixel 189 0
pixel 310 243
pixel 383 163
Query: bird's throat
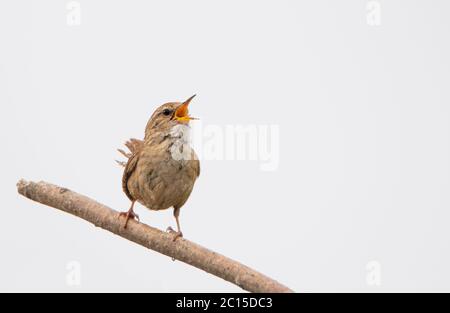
pixel 181 132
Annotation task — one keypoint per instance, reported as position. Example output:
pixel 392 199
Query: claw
pixel 178 234
pixel 129 214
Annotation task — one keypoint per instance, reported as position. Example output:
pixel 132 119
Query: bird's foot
pixel 129 214
pixel 178 234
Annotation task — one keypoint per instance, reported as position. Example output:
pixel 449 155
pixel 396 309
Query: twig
pixel 149 237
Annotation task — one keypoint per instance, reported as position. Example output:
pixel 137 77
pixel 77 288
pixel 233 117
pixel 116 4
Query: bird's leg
pixel 129 214
pixel 178 234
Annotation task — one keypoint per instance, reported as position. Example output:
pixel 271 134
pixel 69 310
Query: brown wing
pixel 135 147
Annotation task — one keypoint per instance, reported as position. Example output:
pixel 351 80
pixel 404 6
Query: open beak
pixel 182 112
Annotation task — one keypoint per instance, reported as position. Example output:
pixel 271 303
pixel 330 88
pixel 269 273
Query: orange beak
pixel 182 112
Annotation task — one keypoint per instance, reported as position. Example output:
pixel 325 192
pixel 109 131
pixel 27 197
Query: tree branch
pixel 149 237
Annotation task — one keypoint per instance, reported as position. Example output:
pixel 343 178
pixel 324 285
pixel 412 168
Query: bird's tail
pixel 134 146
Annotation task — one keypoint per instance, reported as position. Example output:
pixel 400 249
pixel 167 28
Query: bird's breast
pixel 166 174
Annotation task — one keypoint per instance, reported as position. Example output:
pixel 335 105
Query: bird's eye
pixel 167 112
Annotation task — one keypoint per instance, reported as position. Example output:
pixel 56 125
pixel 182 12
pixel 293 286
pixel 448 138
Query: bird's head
pixel 169 115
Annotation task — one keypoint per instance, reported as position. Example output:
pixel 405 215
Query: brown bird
pixel 161 169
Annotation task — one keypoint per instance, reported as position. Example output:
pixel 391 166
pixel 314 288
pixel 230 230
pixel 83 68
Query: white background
pixel 363 113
